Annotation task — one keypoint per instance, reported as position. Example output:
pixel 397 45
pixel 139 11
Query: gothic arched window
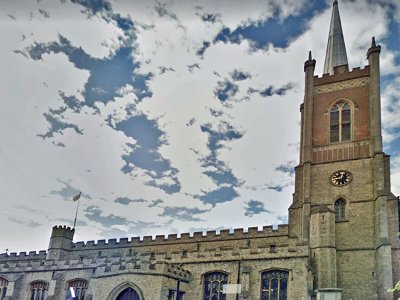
pixel 213 285
pixel 340 122
pixel 77 289
pixel 340 210
pixel 3 287
pixel 274 285
pixel 38 290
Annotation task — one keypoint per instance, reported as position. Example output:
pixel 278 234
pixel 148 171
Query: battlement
pixel 63 231
pixel 161 255
pixel 163 261
pixel 341 73
pixel 23 255
pixel 209 236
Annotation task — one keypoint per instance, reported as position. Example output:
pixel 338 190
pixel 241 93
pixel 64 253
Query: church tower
pixel 342 206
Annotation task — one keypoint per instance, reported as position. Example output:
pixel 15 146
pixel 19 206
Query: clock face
pixel 341 178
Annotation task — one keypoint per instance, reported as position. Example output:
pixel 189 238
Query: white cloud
pixel 181 103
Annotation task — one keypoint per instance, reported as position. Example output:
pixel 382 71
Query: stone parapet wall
pixel 31 255
pixel 340 74
pixel 210 236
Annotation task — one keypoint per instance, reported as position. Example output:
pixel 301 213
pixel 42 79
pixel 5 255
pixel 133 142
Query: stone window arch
pixel 274 285
pixel 213 285
pixel 3 287
pixel 126 291
pixel 76 289
pixel 38 290
pixel 128 294
pixel 340 122
pixel 340 210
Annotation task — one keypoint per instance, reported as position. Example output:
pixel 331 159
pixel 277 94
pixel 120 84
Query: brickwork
pixel 358 99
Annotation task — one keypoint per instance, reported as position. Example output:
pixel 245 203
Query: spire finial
pixel 374 48
pixel 309 62
pixel 373 42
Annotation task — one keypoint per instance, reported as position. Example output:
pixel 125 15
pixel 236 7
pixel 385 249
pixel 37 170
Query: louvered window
pixel 340 123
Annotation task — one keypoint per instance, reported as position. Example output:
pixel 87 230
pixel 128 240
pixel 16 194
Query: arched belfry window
pixel 77 289
pixel 340 210
pixel 38 290
pixel 213 285
pixel 274 285
pixel 3 287
pixel 340 122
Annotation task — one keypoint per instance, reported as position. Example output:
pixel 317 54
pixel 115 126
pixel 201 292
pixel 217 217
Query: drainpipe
pixel 238 279
pixel 177 289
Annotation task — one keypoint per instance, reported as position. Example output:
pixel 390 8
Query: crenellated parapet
pixel 196 237
pixel 31 255
pixel 161 255
pixel 341 73
pixel 63 231
pixel 60 242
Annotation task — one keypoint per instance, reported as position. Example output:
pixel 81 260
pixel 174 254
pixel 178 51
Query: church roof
pixel 336 49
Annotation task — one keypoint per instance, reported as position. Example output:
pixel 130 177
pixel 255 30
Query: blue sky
pixel 169 116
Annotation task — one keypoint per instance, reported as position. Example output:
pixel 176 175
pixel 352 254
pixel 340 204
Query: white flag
pixel 76 197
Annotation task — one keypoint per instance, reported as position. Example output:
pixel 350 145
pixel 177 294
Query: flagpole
pixel 76 214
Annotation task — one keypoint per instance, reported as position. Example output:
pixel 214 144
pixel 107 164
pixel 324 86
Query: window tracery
pixel 340 122
pixel 38 290
pixel 213 285
pixel 274 285
pixel 77 289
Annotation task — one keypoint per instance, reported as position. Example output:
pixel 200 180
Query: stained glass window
pixel 274 285
pixel 340 210
pixel 38 290
pixel 340 123
pixel 213 285
pixel 76 289
pixel 3 287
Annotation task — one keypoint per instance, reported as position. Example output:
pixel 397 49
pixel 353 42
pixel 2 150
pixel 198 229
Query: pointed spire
pixel 336 49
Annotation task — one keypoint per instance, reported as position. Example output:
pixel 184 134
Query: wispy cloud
pixel 182 213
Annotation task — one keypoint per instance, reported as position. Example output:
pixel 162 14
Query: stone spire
pixel 336 49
